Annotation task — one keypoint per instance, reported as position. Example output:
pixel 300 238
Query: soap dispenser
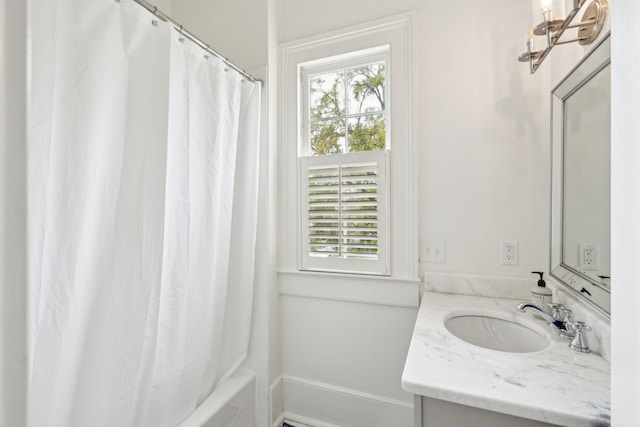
pixel 541 295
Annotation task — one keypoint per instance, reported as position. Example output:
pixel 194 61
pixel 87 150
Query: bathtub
pixel 232 404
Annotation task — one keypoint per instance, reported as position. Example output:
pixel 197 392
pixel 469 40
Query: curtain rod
pixel 188 34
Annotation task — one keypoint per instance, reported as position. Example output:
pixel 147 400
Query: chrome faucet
pixel 554 321
pixel 567 327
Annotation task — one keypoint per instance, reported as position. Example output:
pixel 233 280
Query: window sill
pixel 381 290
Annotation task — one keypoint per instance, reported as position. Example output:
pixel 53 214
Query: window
pixel 342 164
pixel 346 177
pixel 344 108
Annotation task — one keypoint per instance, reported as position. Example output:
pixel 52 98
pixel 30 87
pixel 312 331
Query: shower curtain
pixel 143 162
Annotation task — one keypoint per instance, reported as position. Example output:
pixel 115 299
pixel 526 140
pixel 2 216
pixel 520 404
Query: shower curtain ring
pixel 181 39
pixel 155 13
pixel 206 56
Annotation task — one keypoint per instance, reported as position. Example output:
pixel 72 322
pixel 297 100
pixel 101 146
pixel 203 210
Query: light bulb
pixel 546 5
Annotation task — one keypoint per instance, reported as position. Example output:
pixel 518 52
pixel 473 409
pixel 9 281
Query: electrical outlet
pixel 433 251
pixel 589 257
pixel 508 252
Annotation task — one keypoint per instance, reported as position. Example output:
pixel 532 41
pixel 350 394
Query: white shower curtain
pixel 142 219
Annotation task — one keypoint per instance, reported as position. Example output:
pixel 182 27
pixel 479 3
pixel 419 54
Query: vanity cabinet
pixel 459 384
pixel 440 413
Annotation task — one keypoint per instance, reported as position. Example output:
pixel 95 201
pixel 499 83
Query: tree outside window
pixel 347 110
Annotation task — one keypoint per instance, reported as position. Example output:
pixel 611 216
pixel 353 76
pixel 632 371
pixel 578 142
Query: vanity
pixel 456 383
pixel 475 359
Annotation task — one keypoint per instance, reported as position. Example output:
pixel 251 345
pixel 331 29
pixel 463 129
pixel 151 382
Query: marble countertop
pixel 556 385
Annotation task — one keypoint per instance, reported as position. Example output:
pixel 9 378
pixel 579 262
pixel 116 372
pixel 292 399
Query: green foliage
pixel 331 99
pixel 367 81
pixel 368 134
pixel 326 137
pixel 356 92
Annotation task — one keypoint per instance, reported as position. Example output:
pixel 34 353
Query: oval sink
pixel 497 334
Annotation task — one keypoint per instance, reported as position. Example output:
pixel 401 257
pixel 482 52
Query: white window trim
pixel 396 32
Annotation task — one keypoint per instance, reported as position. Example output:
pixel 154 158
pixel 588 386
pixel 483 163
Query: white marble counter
pixel 556 385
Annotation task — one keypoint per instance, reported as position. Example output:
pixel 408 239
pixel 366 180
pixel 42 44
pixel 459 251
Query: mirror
pixel 581 179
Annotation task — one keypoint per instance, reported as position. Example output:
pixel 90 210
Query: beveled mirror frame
pixel 595 293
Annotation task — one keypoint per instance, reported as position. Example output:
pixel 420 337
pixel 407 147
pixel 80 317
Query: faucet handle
pixel 569 328
pixel 556 309
pixel 579 342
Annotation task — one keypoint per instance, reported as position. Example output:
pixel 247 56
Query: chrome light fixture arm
pixel 589 27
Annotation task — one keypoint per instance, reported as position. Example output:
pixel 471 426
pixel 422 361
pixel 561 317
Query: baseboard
pixel 279 420
pixel 305 420
pixel 325 405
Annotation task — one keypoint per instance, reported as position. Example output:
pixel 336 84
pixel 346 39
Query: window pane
pixel 326 95
pixel 327 137
pixel 366 88
pixel 367 133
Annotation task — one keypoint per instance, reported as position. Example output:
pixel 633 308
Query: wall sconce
pixel 589 27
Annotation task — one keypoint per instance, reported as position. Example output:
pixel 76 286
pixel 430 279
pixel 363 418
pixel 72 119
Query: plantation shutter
pixel 344 218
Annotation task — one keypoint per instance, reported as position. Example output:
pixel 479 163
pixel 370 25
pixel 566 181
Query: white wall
pixel 484 142
pixel 13 289
pixel 342 361
pixel 625 208
pixel 235 29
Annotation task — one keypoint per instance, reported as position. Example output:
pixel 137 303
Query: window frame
pixel 395 32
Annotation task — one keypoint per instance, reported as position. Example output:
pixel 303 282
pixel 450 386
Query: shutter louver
pixel 343 211
pixel 324 211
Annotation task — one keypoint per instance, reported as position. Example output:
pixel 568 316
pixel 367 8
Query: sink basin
pixel 497 334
